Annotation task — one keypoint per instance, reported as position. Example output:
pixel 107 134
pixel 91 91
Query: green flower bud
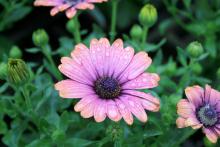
pixel 15 52
pixel 171 68
pixel 18 72
pixel 40 38
pixel 71 25
pixel 195 49
pixel 148 15
pixel 114 131
pixel 3 71
pixel 136 32
pixel 197 68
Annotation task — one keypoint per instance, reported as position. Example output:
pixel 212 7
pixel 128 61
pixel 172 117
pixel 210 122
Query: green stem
pixel 144 36
pixel 113 20
pixel 172 9
pixel 117 143
pixel 76 32
pixel 16 107
pixel 46 53
pixel 31 112
pixel 27 99
pixel 184 137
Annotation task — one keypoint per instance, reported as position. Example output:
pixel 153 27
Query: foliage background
pixel 55 123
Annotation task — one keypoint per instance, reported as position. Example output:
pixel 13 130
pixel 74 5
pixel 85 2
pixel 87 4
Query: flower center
pixel 73 2
pixel 107 88
pixel 207 115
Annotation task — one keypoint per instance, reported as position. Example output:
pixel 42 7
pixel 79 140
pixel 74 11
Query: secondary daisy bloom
pixel 107 78
pixel 70 6
pixel 201 109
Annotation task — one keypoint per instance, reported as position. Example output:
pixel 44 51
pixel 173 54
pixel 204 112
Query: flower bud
pixel 197 68
pixel 148 15
pixel 18 72
pixel 40 38
pixel 3 71
pixel 171 68
pixel 136 32
pixel 71 25
pixel 115 132
pixel 15 52
pixel 195 49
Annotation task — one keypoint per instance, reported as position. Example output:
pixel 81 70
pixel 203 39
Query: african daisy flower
pixel 70 6
pixel 201 109
pixel 106 78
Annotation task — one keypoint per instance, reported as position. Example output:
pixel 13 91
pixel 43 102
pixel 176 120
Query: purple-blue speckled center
pixel 107 88
pixel 207 115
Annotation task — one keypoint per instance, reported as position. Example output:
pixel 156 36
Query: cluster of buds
pixel 115 132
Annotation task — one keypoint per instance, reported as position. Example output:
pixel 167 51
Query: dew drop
pixel 144 80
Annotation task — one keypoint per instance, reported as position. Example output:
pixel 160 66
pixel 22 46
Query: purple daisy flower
pixel 201 109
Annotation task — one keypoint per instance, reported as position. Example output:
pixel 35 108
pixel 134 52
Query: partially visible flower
pixel 200 109
pixel 106 78
pixel 18 73
pixel 70 6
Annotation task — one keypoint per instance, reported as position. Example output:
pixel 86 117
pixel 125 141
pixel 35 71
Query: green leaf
pixel 197 28
pixel 3 127
pixel 43 142
pixel 185 80
pixel 202 57
pixel 153 47
pixel 152 133
pixel 158 58
pixel 12 137
pixel 187 3
pixel 135 140
pixel 98 16
pixel 59 136
pixel 78 142
pixel 66 46
pixel 33 50
pixel 16 12
pixel 165 25
pixel 201 80
pixel 210 45
pixel 182 57
pixel 4 87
